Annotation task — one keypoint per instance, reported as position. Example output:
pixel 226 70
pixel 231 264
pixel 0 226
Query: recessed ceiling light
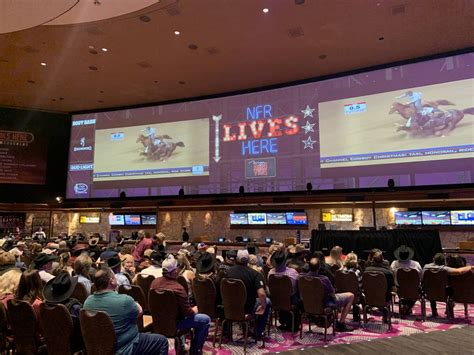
pixel 381 38
pixel 181 82
pixel 91 47
pixel 92 67
pixel 104 49
pixel 322 56
pixel 43 64
pixel 266 10
pixel 193 47
pixel 177 33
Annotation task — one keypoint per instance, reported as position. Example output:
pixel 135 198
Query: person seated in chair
pixel 257 302
pixel 124 312
pixel 379 264
pixel 59 291
pixel 188 316
pixel 439 263
pixel 331 298
pixel 404 254
pixel 278 261
pixel 351 265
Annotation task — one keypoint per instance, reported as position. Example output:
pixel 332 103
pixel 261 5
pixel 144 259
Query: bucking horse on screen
pixel 161 151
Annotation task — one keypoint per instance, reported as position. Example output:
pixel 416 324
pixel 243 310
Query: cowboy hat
pixel 205 263
pixel 295 249
pixel 42 259
pixel 113 261
pixel 60 288
pixel 156 257
pixel 404 252
pixel 278 259
pixel 93 241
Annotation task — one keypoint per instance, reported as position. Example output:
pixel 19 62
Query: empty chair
pixel 435 283
pixel 375 289
pixel 463 290
pixel 205 295
pixel 144 281
pixel 80 293
pixel 57 326
pixel 281 290
pixel 409 289
pixel 312 295
pixel 164 311
pixel 234 295
pixel 23 322
pixel 98 333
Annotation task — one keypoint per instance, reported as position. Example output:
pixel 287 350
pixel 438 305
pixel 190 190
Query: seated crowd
pixel 49 272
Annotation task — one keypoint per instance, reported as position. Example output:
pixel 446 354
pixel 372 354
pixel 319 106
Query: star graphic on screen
pixel 308 143
pixel 308 111
pixel 308 127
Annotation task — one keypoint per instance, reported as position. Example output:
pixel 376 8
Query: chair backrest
pixel 23 322
pixel 375 288
pixel 312 294
pixel 80 293
pixel 234 296
pixel 334 268
pixel 3 327
pixel 182 281
pixel 57 327
pixel 144 281
pixel 98 333
pixel 135 292
pixel 205 295
pixel 164 311
pixel 435 283
pixel 346 281
pixel 408 284
pixel 463 287
pixel 281 290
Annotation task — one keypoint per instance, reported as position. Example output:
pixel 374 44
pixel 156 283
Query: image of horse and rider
pixel 426 117
pixel 157 147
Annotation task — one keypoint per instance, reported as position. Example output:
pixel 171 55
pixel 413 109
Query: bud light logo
pixel 81 188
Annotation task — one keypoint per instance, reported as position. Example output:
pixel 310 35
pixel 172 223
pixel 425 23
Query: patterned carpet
pixel 280 341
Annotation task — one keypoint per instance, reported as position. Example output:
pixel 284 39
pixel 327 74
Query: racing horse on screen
pixel 162 150
pixel 430 119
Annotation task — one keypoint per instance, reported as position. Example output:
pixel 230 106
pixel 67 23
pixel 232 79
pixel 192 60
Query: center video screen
pixel 436 217
pixel 412 123
pixel 408 218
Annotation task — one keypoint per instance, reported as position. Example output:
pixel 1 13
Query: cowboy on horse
pixel 150 132
pixel 423 113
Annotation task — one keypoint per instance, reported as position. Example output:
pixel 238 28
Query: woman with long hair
pixel 8 285
pixel 30 289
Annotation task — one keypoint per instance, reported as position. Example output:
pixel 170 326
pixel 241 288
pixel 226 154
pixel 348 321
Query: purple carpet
pixel 280 341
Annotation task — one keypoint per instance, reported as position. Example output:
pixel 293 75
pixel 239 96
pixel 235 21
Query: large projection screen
pixel 413 123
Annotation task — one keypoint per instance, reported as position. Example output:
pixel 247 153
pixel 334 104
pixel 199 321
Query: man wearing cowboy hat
pixel 59 291
pixel 154 269
pixel 115 264
pixel 296 257
pixel 44 264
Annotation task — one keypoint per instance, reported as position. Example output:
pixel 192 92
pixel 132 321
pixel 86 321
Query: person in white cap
pixel 257 302
pixel 188 316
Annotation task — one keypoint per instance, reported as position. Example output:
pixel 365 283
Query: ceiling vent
pixel 295 32
pixel 144 65
pixel 398 9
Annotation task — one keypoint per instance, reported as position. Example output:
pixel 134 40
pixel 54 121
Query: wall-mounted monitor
pixel 436 218
pixel 116 219
pixel 408 218
pixel 257 218
pixel 276 218
pixel 132 220
pixel 89 219
pixel 296 218
pixel 465 218
pixel 355 137
pixel 148 219
pixel 238 218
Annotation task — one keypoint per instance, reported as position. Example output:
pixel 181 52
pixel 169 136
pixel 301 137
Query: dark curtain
pixel 426 243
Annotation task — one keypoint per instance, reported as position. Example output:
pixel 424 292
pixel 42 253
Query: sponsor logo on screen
pixel 81 188
pixel 358 107
pixel 79 167
pixel 260 168
pixel 16 138
pixel 82 146
pixel 117 136
pixel 83 122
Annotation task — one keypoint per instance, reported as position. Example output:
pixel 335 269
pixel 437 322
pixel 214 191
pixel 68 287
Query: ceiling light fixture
pixel 177 33
pixel 266 10
pixel 104 49
pixel 43 64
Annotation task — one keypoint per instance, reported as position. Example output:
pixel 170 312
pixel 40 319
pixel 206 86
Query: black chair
pixel 57 326
pixel 409 288
pixel 98 333
pixel 281 290
pixel 375 289
pixel 205 295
